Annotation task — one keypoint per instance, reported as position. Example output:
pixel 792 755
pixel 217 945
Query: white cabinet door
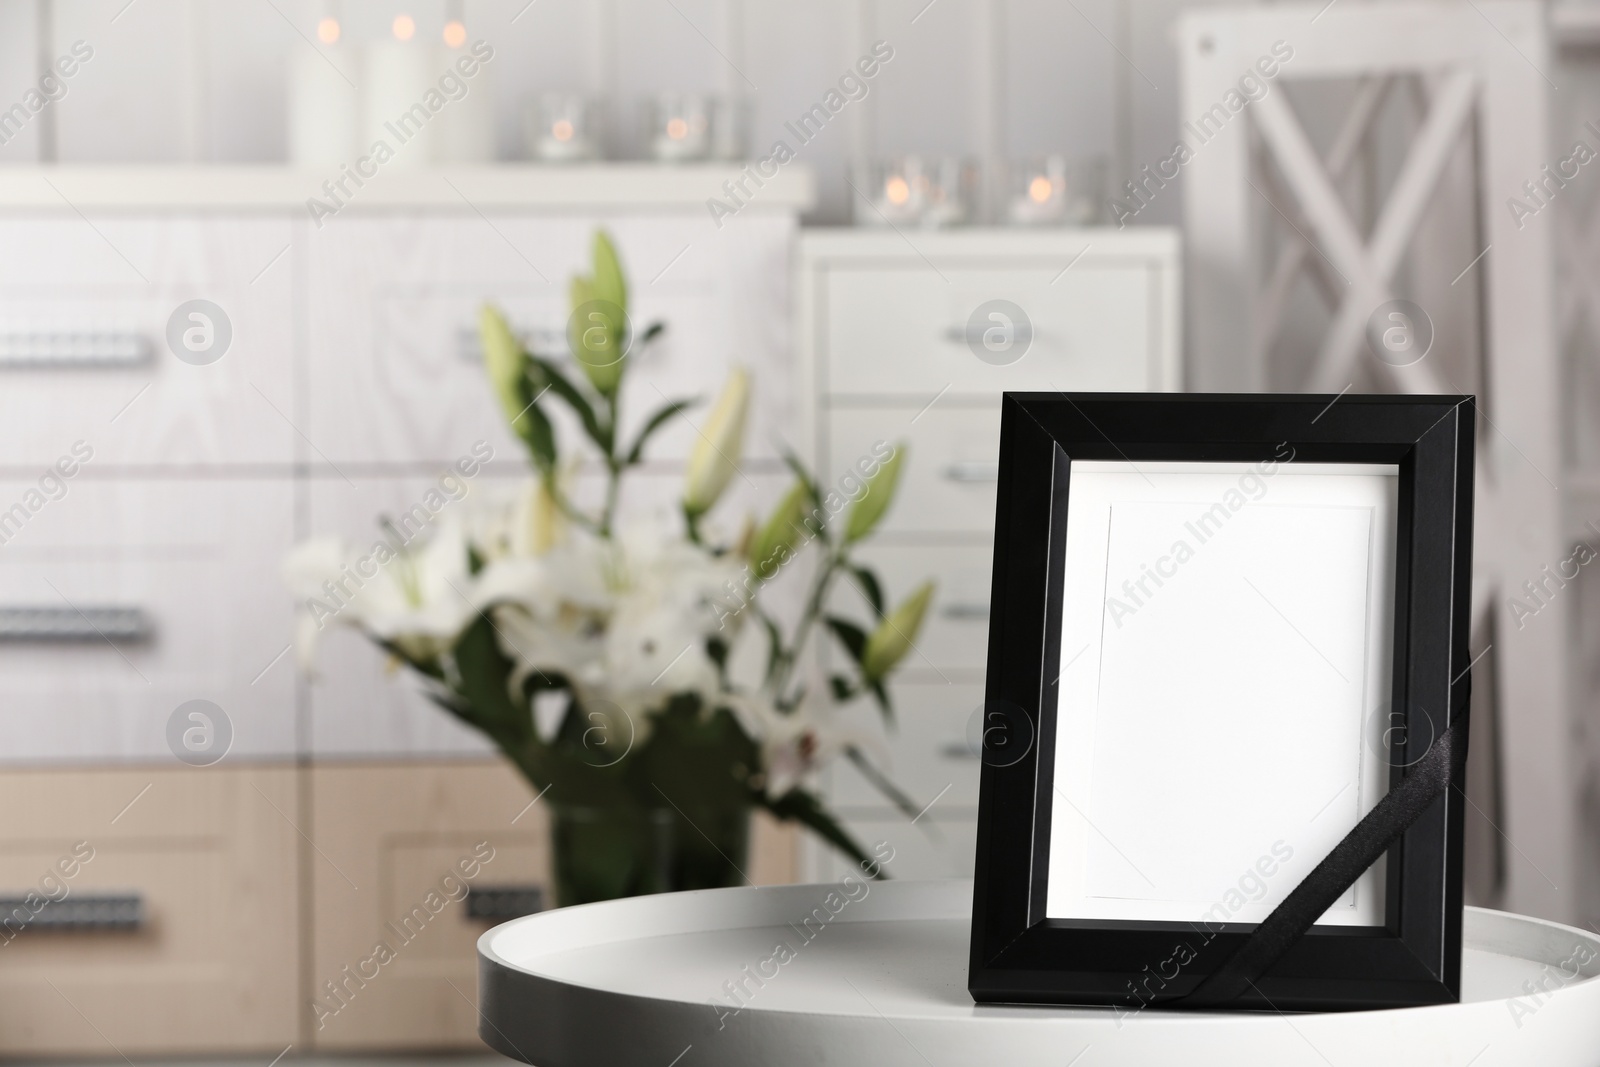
pixel 197 560
pixel 395 369
pixel 85 309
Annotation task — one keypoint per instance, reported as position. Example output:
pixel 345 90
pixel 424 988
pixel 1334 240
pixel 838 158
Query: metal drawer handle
pixel 972 472
pixel 965 609
pixel 73 348
pixel 74 624
pixel 105 911
pixel 499 904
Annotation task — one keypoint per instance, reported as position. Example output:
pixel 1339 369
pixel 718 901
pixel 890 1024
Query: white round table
pixel 699 980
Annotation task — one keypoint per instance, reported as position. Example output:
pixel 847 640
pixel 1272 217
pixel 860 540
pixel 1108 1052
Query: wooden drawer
pixel 390 834
pixel 198 560
pixel 84 353
pixel 396 375
pixel 952 464
pixel 212 856
pixel 954 642
pixel 902 329
pixel 932 749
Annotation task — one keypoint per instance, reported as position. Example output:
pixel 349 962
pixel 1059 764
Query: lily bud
pixel 540 524
pixel 506 363
pixel 870 507
pixel 715 457
pixel 770 548
pixel 895 635
pixel 598 330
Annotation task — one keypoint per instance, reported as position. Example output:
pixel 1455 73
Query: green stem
pixel 613 467
pixel 813 611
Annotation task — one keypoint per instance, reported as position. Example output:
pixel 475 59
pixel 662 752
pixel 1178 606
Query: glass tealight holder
pixel 931 192
pixel 677 127
pixel 730 127
pixel 1053 191
pixel 563 128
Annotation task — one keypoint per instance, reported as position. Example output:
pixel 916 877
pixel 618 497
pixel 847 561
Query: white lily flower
pixel 418 598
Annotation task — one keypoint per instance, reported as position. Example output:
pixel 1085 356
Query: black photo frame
pixel 1021 954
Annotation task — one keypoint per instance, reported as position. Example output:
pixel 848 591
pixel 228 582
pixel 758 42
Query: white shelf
pixel 515 185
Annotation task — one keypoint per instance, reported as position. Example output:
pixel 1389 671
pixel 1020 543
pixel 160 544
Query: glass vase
pixel 603 853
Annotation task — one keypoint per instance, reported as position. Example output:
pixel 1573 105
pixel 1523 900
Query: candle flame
pixel 561 130
pixel 1039 189
pixel 677 129
pixel 404 27
pixel 328 30
pixel 455 33
pixel 897 190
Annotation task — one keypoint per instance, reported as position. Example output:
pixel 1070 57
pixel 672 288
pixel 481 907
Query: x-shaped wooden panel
pixel 1368 268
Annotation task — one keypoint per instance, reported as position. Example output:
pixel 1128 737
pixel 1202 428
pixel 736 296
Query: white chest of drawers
pixel 898 341
pixel 351 381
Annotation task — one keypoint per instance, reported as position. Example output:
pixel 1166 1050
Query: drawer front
pixel 393 834
pixel 395 369
pixel 933 755
pixel 84 348
pixel 125 598
pixel 903 330
pixel 947 483
pixel 954 642
pixel 212 858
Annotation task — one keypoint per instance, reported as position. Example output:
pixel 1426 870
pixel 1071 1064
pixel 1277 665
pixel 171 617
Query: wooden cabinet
pixel 211 856
pixel 895 345
pixel 393 961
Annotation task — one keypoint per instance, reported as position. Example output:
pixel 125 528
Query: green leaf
pixel 798 805
pixel 656 421
pixel 547 375
pixel 870 508
pixel 881 782
pixel 805 479
pixel 774 646
pixel 851 636
pixel 536 432
pixel 652 331
pixel 877 689
pixel 485 673
pixel 870 588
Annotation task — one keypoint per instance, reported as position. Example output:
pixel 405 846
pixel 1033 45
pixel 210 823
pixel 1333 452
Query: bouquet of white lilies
pixel 603 657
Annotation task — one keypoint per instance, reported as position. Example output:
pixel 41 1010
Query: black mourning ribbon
pixel 1403 805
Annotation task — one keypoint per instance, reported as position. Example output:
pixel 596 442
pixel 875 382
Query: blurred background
pixel 231 321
